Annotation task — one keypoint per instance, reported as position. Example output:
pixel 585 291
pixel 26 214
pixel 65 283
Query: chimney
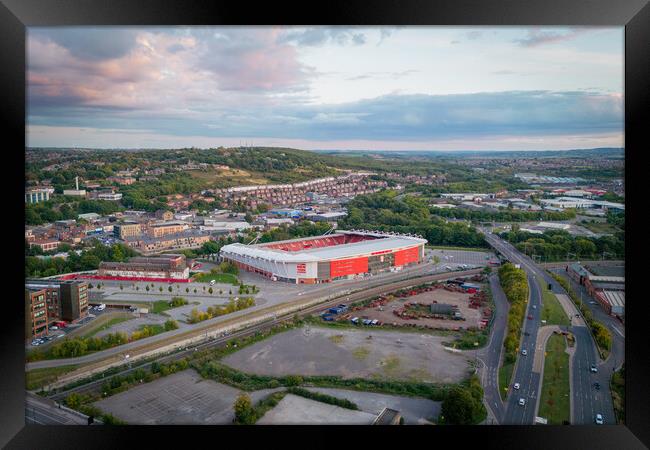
pixel 76 181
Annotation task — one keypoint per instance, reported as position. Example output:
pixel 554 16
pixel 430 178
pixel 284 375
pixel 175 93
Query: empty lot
pixel 295 410
pixel 183 398
pixel 352 354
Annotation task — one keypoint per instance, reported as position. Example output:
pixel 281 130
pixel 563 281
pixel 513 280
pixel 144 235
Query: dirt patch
pixel 387 355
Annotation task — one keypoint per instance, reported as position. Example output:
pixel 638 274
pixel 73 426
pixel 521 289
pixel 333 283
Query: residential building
pixel 126 230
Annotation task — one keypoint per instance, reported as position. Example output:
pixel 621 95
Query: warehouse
pixel 321 259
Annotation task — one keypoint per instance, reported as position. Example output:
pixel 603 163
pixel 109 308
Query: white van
pixel 101 307
pixel 212 282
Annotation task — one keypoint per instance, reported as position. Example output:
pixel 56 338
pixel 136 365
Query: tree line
pixel 515 286
pixel 555 245
pixel 384 211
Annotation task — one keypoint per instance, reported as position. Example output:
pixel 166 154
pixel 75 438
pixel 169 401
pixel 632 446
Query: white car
pixel 36 342
pixel 54 327
pixel 524 352
pixel 534 306
pixel 599 419
pixel 516 386
pixel 522 401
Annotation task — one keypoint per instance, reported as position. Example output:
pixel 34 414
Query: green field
pixel 554 402
pixel 552 312
pixel 217 277
pixel 599 227
pixel 107 325
pixel 39 378
pixel 505 374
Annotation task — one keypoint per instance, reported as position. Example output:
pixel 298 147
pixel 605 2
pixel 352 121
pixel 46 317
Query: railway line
pixel 95 385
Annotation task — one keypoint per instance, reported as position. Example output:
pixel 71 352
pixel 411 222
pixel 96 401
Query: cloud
pixel 95 44
pixel 383 75
pixel 394 117
pixel 536 36
pixel 317 36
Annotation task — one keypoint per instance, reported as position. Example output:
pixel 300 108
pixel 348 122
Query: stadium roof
pixel 388 242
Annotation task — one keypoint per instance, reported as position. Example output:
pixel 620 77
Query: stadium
pixel 321 259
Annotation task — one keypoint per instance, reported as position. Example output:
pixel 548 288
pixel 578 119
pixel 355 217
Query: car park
pixel 522 402
pixel 516 386
pixel 524 352
pixel 599 419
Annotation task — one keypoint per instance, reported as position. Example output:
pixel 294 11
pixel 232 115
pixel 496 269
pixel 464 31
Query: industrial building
pixel 609 291
pixel 321 259
pixel 160 267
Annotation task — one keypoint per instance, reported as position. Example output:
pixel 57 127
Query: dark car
pixel 526 333
pixel 530 317
pixel 597 386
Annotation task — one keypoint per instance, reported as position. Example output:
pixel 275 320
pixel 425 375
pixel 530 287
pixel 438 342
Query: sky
pixel 346 88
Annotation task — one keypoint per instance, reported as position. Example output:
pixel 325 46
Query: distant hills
pixel 603 152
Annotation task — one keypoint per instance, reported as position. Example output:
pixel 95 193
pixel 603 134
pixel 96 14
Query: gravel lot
pixel 415 411
pixel 350 354
pixel 183 398
pixel 295 410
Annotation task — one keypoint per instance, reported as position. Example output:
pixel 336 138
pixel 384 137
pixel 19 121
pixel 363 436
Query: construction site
pixel 454 305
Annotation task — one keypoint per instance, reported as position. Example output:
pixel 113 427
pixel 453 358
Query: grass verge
pixel 39 378
pixel 505 374
pixel 552 311
pixel 554 402
pixel 227 278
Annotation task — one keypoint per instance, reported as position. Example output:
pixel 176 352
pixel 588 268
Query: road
pixel 586 401
pixel 95 385
pixel 40 411
pixel 490 355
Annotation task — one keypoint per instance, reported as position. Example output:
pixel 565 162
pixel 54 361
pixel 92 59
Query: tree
pixel 244 412
pixel 169 289
pixel 210 290
pixel 160 289
pixel 460 407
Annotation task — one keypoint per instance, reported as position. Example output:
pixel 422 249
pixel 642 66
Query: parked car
pixel 593 368
pixel 54 327
pixel 355 320
pixel 597 386
pixel 534 306
pixel 530 317
pixel 516 386
pixel 36 342
pixel 524 352
pixel 522 401
pixel 599 419
pixel 374 322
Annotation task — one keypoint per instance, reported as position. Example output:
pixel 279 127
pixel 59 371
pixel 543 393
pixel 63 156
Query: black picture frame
pixel 16 15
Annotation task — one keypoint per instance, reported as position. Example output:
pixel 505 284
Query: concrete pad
pixel 295 410
pixel 414 410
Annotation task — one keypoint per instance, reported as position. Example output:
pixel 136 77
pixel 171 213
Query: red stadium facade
pixel 345 254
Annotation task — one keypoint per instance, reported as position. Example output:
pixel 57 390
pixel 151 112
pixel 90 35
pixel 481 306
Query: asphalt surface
pixel 358 285
pixel 490 355
pixel 39 411
pixel 585 400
